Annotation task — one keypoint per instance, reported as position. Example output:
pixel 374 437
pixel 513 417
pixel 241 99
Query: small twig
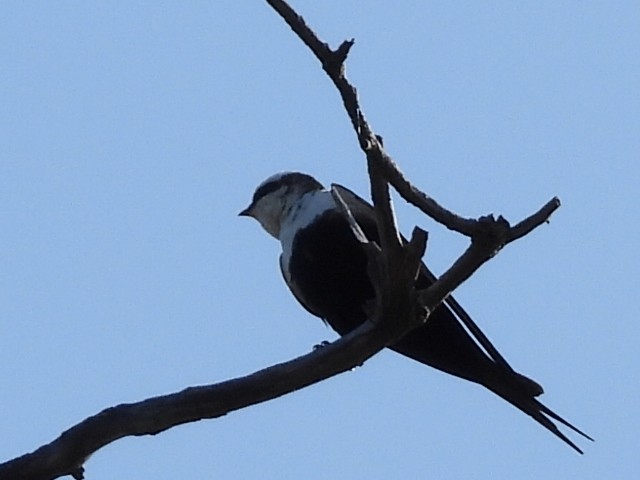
pixel 535 220
pixel 383 206
pixel 425 203
pixel 302 30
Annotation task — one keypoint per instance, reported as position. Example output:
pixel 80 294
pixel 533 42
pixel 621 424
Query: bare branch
pixel 487 232
pixel 425 203
pixel 66 454
pixel 332 60
pixel 535 220
pixel 333 63
pixel 383 206
pixel 393 269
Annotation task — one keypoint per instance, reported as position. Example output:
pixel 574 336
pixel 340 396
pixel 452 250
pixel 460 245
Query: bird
pixel 324 265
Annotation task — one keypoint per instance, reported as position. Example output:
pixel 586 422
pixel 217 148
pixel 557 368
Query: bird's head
pixel 277 196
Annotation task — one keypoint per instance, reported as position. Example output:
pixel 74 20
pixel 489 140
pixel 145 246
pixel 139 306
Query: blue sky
pixel 131 134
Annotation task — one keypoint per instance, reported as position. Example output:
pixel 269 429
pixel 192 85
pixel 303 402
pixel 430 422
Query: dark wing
pixel 295 290
pixel 450 341
pixel 365 216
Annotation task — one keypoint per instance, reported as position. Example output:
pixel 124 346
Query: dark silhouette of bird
pixel 325 267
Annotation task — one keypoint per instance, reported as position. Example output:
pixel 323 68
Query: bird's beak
pixel 246 212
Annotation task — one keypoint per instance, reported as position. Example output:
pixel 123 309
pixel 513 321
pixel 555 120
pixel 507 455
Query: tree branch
pixel 399 308
pixel 66 454
pixel 333 64
pixel 488 235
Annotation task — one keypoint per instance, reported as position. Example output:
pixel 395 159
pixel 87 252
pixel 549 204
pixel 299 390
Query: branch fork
pixel 394 265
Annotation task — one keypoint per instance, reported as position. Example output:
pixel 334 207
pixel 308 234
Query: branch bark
pixel 66 454
pixel 393 268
